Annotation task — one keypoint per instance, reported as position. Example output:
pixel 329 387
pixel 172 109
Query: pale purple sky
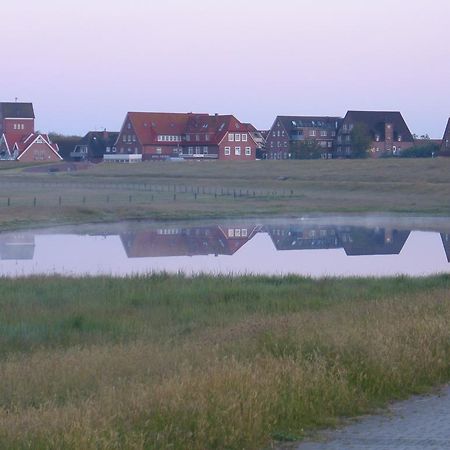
pixel 85 63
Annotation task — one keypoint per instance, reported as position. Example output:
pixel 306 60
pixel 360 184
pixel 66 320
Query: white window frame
pixel 227 151
pixel 248 151
pixel 244 137
pixel 230 137
pixel 237 151
pixel 237 137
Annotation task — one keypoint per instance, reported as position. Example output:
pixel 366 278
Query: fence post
pixel 34 202
pixel 84 199
pixel 174 197
pixel 195 195
pixel 130 198
pixel 59 200
pixel 9 201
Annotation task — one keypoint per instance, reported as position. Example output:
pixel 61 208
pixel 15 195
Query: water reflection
pixel 312 247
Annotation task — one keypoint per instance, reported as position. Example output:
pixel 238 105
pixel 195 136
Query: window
pixel 244 232
pixel 129 125
pixel 188 137
pixel 237 151
pixel 231 137
pixel 197 150
pixel 244 138
pixel 134 138
pixel 197 137
pixel 237 137
pixel 205 150
pixel 124 138
pixel 159 151
pixel 206 137
pixel 399 138
pixel 230 233
pixel 323 133
pixel 248 151
pixel 227 151
pixel 15 126
pixel 312 132
pixel 377 137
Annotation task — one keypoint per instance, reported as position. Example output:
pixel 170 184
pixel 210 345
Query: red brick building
pixel 18 140
pixel 445 146
pixel 152 136
pixel 386 132
pixel 302 137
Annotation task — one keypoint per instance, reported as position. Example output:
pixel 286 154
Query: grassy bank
pixel 170 362
pixel 167 190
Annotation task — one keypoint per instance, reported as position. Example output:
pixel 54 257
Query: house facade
pixel 445 145
pixel 94 145
pixel 381 133
pixel 18 139
pixel 302 137
pixel 155 136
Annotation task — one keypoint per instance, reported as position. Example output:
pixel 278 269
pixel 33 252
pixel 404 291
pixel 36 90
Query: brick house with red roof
pixel 18 139
pixel 153 136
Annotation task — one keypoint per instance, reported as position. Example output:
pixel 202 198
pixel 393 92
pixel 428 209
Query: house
pixel 18 139
pixel 180 241
pixel 445 145
pixel 94 145
pixel 156 136
pixel 302 137
pixel 380 133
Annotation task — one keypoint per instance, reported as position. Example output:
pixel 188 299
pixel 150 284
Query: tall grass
pixel 173 362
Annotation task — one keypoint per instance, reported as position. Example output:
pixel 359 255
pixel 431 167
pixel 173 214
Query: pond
pixel 309 246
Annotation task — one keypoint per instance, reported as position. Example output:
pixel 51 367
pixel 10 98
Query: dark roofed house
pixel 445 146
pixel 94 145
pixel 302 137
pixel 386 131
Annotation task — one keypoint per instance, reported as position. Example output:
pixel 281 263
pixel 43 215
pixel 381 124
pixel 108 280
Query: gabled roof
pixel 97 141
pixel 22 143
pixel 217 125
pixel 291 123
pixel 376 120
pixel 446 132
pixel 148 125
pixel 16 110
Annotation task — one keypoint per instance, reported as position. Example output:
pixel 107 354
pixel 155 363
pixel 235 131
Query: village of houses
pixel 147 136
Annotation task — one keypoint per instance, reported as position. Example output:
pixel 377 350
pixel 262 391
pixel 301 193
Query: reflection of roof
pixel 17 247
pixel 372 241
pixel 296 238
pixel 446 242
pixel 212 240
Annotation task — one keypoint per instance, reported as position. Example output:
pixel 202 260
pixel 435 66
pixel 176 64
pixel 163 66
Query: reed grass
pixel 210 363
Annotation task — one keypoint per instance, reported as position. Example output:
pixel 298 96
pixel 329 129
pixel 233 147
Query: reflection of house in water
pixel 354 240
pixel 446 241
pixel 17 246
pixel 172 241
pixel 303 238
pixel 372 241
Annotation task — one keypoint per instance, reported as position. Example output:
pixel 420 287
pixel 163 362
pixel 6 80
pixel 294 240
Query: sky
pixel 85 63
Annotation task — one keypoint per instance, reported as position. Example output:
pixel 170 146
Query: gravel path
pixel 421 423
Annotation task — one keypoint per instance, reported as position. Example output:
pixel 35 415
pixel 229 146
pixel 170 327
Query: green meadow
pixel 210 363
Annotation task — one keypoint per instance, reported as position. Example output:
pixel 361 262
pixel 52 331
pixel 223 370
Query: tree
pixel 361 140
pixel 306 150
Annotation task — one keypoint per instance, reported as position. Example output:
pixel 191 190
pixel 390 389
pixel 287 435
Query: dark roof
pixel 446 132
pixel 294 122
pixel 16 111
pixel 446 242
pixel 97 141
pixel 376 120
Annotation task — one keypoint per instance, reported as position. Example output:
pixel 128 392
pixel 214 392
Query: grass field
pixel 188 190
pixel 210 363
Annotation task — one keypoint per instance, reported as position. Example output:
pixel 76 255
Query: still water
pixel 318 247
